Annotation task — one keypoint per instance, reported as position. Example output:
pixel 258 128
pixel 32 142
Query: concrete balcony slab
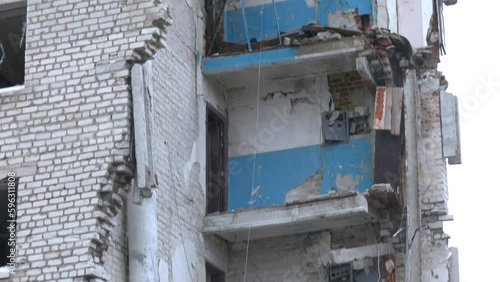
pixel 329 213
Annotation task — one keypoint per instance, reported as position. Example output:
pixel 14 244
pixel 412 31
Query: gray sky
pixel 471 68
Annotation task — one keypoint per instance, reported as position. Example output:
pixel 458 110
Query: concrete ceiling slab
pixel 304 61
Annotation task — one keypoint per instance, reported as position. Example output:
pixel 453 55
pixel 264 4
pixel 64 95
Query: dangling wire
pixel 253 189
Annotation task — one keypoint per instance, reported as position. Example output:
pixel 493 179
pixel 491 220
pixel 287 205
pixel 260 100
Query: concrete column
pixel 412 121
pixel 142 233
pixel 454 269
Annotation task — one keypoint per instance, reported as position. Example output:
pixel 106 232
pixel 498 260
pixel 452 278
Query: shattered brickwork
pixel 70 126
pixel 433 185
pixel 343 86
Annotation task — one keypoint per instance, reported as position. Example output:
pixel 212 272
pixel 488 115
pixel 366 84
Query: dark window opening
pixel 388 158
pixel 8 215
pixel 214 28
pixel 213 274
pixel 12 43
pixel 216 162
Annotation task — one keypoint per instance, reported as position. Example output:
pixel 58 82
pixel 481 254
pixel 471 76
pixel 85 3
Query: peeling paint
pixel 347 182
pixel 279 171
pixel 344 19
pixel 309 188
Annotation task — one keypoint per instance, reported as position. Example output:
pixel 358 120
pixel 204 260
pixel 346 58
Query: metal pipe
pixel 142 231
pixel 247 35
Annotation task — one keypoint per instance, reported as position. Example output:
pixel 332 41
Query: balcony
pixel 290 39
pixel 319 214
pixel 292 62
pixel 289 90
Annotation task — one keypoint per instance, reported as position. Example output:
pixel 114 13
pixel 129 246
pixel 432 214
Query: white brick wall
pixel 181 204
pixel 433 186
pixel 72 122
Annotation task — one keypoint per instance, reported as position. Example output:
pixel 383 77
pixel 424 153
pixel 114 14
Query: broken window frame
pixel 14 43
pixel 216 181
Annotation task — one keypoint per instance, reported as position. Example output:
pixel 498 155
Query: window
pixel 216 162
pixel 213 274
pixel 12 43
pixel 8 190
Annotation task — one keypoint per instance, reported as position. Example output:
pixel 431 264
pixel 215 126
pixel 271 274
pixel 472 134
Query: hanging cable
pixel 178 216
pixel 378 264
pixel 253 189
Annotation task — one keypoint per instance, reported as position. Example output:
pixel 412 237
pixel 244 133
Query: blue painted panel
pixel 275 173
pixel 279 171
pixel 292 14
pixel 353 159
pixel 248 59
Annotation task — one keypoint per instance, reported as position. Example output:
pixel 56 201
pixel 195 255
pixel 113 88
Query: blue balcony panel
pixel 345 166
pixel 291 14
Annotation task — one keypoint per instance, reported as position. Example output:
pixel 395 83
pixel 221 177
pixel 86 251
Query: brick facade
pixel 68 133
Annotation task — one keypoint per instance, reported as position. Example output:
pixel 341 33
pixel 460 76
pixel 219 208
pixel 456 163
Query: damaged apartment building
pixel 224 140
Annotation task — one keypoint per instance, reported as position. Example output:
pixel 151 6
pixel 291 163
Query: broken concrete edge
pixel 345 255
pixel 228 222
pixel 319 198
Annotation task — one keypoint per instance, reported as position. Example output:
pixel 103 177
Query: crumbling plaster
pixel 182 95
pixel 279 134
